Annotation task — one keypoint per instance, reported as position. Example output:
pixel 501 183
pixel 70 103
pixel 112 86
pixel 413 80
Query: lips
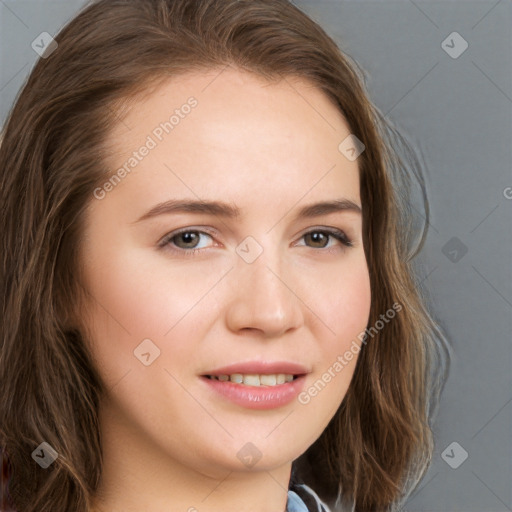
pixel 252 393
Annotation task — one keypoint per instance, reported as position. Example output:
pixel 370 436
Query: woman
pixel 208 297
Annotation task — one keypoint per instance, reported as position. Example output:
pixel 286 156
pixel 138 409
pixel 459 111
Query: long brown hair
pixel 379 443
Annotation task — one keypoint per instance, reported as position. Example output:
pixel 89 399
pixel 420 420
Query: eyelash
pixel 165 244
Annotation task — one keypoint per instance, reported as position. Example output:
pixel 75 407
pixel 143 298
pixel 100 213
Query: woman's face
pixel 180 292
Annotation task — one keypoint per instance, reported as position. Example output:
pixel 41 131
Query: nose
pixel 263 298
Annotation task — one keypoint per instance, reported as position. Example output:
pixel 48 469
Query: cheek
pixel 346 303
pixel 124 308
pixel 354 304
pixel 135 298
pixel 142 295
pixel 344 308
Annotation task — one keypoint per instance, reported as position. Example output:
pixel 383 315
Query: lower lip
pixel 257 397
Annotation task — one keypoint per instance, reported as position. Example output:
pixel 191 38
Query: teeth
pixel 268 380
pixel 254 379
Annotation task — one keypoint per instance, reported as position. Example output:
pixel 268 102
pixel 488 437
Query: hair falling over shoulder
pixel 379 443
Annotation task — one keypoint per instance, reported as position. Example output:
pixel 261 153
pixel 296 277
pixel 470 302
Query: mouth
pixel 255 390
pixel 257 384
pixel 255 379
pixel 258 373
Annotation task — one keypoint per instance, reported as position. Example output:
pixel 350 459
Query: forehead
pixel 229 126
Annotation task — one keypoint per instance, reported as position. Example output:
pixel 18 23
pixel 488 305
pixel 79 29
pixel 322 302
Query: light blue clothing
pixel 296 504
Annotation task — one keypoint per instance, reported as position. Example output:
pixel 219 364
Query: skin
pixel 268 148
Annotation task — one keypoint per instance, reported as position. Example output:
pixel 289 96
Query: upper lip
pixel 260 367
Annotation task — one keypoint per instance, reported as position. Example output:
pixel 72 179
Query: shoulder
pixel 301 498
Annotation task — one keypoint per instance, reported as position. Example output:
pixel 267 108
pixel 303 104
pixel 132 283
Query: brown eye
pixel 189 239
pixel 319 239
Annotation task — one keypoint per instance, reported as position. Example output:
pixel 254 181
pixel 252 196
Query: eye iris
pixel 189 237
pixel 318 237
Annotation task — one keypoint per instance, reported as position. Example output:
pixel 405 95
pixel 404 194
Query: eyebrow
pixel 226 210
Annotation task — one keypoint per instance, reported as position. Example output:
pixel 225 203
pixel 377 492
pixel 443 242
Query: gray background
pixel 458 112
